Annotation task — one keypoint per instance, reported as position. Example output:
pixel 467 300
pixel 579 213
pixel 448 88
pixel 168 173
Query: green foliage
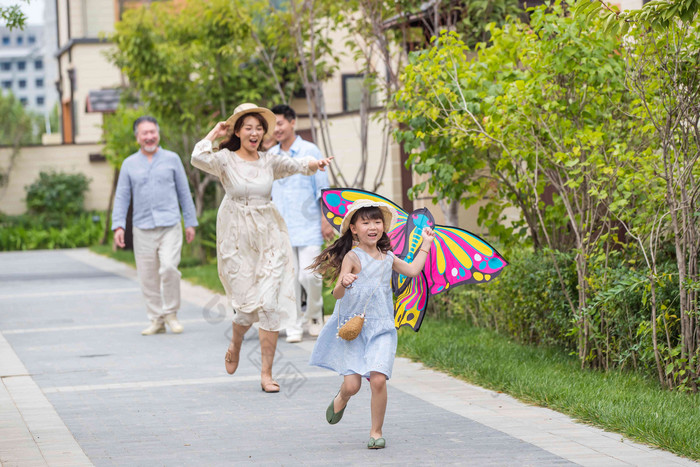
pixel 31 232
pixel 12 15
pixel 477 16
pixel 533 120
pixel 662 52
pixel 207 232
pixel 659 15
pixel 444 91
pixel 282 32
pixel 500 122
pixel 18 127
pixel 57 194
pixel 526 301
pixel 118 134
pixel 191 63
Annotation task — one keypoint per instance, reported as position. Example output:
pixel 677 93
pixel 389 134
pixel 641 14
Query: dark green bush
pixel 57 196
pixel 31 232
pixel 527 303
pixel 207 232
pixel 203 249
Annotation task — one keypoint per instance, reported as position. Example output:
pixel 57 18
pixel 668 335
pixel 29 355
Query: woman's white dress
pixel 253 249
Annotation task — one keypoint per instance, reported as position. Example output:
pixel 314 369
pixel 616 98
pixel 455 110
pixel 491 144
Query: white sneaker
pixel 156 327
pixel 173 323
pixel 315 327
pixel 293 339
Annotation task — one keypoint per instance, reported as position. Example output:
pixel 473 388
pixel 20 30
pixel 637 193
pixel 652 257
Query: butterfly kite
pixel 457 257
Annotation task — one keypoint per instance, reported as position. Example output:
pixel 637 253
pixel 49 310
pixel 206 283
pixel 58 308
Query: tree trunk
pixel 108 217
pixel 450 211
pixel 654 339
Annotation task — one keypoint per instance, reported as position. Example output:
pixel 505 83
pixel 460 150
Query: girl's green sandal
pixel 379 443
pixel 331 416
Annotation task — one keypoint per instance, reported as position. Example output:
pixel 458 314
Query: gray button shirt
pixel 157 188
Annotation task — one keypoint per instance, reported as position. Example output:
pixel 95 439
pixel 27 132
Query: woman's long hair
pixel 330 259
pixel 234 143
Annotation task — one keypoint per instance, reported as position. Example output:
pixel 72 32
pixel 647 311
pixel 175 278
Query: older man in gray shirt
pixel 157 181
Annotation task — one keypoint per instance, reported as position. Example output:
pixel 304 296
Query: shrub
pixel 207 232
pixel 203 249
pixel 527 303
pixel 57 196
pixel 32 233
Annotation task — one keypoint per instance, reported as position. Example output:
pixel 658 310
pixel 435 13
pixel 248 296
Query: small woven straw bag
pixel 352 327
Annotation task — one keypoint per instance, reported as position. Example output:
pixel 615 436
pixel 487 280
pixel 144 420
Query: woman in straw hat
pixel 363 289
pixel 253 249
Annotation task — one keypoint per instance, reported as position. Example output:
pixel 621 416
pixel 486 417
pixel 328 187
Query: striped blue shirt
pixel 159 189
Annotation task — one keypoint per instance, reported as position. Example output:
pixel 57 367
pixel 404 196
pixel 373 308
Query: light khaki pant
pixel 303 256
pixel 157 254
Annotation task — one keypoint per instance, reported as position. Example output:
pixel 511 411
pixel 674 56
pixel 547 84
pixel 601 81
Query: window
pixel 5 40
pixel 31 40
pixel 39 83
pixel 352 93
pixel 5 66
pixel 38 64
pixel 22 83
pixel 40 100
pixel 7 84
pixel 21 65
pixel 23 100
pixel 20 40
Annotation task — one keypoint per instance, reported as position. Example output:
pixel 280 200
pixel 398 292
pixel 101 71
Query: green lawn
pixel 620 401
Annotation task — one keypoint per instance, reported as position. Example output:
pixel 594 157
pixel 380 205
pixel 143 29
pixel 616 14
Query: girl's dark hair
pixel 330 259
pixel 234 144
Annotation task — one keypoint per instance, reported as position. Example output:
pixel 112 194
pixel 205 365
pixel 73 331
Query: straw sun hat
pixel 245 109
pixel 388 213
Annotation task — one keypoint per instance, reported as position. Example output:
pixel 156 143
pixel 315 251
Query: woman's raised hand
pixel 323 163
pixel 219 131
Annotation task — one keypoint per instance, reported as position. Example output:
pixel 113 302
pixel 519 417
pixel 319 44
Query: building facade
pixel 82 64
pixel 26 64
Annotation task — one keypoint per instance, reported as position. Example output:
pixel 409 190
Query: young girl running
pixel 363 287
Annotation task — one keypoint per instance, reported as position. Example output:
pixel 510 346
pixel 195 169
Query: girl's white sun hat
pixel 388 213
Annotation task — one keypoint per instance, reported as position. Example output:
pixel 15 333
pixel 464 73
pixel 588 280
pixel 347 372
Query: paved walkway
pixel 81 386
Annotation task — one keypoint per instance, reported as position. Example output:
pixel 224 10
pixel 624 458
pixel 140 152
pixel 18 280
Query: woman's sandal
pixel 271 386
pixel 379 443
pixel 231 361
pixel 331 416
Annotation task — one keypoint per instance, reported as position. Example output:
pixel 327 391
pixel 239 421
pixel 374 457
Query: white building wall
pixel 100 17
pixel 25 69
pixel 69 158
pixel 629 4
pixel 92 71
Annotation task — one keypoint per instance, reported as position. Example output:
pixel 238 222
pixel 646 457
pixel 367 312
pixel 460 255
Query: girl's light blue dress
pixel 375 348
